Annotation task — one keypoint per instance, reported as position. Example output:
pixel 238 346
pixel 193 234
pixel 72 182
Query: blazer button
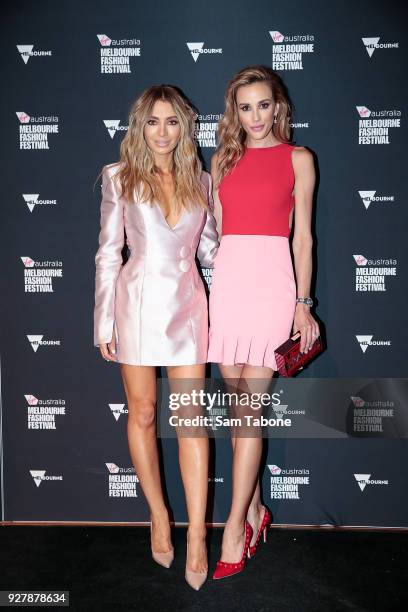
pixel 184 265
pixel 185 251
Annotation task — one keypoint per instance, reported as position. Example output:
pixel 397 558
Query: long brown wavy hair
pixel 136 165
pixel 231 134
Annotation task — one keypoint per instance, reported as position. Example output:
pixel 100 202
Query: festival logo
pixel 286 483
pixel 288 51
pixel 371 274
pixel 115 54
pixel 39 275
pixel 34 131
pixel 374 125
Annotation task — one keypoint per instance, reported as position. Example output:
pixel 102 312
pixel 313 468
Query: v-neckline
pixel 172 229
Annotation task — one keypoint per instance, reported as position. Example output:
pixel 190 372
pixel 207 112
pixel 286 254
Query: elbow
pixel 109 253
pixel 302 243
pixel 110 260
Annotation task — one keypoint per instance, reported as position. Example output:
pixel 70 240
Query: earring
pixel 275 120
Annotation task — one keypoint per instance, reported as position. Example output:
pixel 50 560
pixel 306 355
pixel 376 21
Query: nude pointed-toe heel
pixel 163 558
pixel 195 579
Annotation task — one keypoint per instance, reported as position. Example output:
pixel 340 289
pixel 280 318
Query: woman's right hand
pixel 108 351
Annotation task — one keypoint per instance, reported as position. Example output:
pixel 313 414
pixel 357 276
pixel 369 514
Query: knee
pixel 142 412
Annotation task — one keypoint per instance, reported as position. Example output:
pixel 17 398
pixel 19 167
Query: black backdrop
pixel 71 71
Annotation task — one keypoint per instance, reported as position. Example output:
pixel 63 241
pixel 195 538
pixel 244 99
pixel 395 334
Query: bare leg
pixel 140 388
pixel 255 510
pixel 247 452
pixel 193 459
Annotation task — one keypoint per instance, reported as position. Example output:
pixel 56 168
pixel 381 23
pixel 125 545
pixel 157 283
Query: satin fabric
pixel 156 303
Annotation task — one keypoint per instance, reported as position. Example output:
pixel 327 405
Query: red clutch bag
pixel 290 360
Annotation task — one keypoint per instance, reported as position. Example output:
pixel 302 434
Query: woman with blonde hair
pixel 152 311
pixel 260 180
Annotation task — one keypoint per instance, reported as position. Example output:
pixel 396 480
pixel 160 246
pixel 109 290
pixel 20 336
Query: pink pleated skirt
pixel 252 300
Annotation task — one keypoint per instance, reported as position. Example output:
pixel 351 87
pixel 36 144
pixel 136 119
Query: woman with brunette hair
pixel 260 180
pixel 152 311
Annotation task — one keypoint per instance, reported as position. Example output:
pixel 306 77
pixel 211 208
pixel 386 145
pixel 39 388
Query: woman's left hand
pixel 307 325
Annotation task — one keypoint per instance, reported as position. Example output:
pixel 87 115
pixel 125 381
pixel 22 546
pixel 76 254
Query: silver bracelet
pixel 303 300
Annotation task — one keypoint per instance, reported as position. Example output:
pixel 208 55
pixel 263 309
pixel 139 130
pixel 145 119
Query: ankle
pixel 235 528
pixel 235 524
pixel 256 509
pixel 161 516
pixel 197 531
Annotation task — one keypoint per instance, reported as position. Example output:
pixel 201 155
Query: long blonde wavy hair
pixel 231 134
pixel 136 165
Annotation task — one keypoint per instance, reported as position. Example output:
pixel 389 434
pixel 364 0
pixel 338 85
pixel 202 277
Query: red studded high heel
pixel 262 529
pixel 224 569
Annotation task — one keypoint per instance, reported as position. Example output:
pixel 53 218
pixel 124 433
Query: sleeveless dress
pixel 155 304
pixel 253 292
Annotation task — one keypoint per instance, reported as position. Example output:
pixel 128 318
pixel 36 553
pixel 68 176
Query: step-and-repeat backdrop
pixel 71 72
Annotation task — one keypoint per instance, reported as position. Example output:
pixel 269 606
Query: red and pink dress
pixel 253 291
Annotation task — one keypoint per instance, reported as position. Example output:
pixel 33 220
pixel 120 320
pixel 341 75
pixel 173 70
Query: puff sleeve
pixel 209 240
pixel 108 259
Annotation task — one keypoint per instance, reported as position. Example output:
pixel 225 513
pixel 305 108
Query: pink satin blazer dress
pixel 156 303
